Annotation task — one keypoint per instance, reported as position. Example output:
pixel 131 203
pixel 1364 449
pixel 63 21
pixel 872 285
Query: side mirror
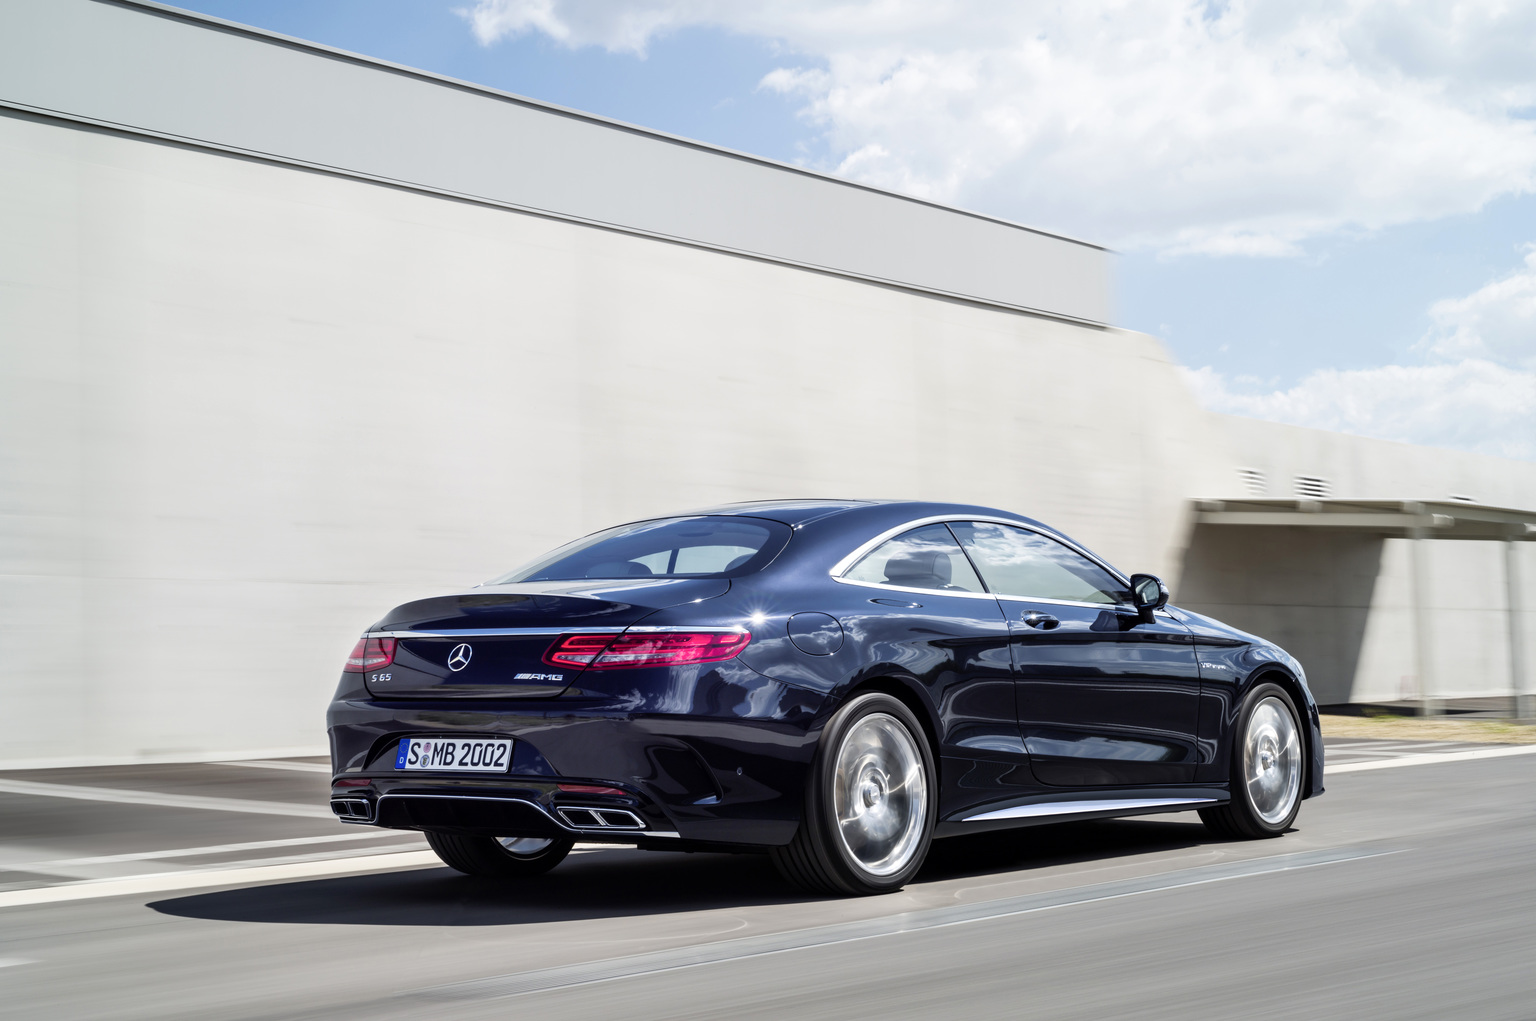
pixel 1149 593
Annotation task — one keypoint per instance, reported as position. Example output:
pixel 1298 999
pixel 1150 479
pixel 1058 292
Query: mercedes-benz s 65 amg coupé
pixel 835 683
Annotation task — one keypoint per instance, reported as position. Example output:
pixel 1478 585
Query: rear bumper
pixel 683 778
pixel 503 810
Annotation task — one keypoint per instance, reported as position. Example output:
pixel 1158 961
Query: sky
pixel 1326 210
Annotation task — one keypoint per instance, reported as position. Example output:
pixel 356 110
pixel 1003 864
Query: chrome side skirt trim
pixel 1081 807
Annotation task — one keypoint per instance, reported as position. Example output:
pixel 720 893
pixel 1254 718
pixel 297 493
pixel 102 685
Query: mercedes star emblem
pixel 458 659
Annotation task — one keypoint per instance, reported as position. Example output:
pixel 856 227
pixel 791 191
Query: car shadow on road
pixel 624 882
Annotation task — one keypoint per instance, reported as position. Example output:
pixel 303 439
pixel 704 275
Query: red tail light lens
pixel 577 650
pixel 645 649
pixel 370 654
pixel 589 788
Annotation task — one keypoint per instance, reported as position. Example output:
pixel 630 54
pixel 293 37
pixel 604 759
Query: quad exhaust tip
pixel 600 819
pixel 352 809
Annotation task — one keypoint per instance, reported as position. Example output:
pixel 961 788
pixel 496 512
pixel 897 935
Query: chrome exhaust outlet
pixel 600 818
pixel 352 809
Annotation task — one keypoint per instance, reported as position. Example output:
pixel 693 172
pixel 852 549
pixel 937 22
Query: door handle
pixel 1043 621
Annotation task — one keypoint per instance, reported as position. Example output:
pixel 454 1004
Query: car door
pixel 915 605
pixel 1104 699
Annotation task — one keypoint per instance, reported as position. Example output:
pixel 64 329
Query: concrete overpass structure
pixel 290 335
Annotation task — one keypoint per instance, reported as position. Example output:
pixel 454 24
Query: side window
pixel 1018 562
pixel 926 557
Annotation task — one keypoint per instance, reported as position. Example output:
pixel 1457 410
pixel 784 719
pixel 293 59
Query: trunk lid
pixel 490 643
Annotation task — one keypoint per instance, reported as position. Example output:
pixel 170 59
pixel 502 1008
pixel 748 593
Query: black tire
pixel 821 858
pixel 489 857
pixel 1256 811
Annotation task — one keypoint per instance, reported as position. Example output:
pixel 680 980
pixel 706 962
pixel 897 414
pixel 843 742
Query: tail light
pixel 370 654
pixel 618 651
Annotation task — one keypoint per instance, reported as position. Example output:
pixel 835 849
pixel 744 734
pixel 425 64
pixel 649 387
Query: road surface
pixel 225 891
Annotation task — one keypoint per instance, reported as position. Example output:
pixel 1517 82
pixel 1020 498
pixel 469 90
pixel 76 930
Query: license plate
pixel 455 754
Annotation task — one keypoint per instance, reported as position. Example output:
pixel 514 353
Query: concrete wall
pixel 248 403
pixel 177 75
pixel 246 409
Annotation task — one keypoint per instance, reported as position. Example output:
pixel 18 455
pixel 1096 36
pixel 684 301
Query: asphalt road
pixel 216 891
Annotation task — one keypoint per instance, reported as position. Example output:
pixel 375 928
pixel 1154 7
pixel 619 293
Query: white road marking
pixel 189 852
pixel 1393 749
pixel 1429 758
pixel 297 767
pixel 126 797
pixel 847 932
pixel 11 962
pixel 167 882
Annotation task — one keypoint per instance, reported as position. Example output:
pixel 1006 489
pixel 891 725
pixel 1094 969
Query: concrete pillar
pixel 1524 704
pixel 1423 627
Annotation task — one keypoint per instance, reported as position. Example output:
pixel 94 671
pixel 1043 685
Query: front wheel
pixel 499 857
pixel 870 803
pixel 1266 774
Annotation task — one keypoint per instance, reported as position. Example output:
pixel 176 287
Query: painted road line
pixel 1429 758
pixel 126 797
pixel 1408 747
pixel 190 852
pixel 846 932
pixel 297 767
pixel 11 962
pixel 170 882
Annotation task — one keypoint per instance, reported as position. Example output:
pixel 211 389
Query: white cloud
pixel 1245 127
pixel 1469 405
pixel 1497 321
pixel 1479 394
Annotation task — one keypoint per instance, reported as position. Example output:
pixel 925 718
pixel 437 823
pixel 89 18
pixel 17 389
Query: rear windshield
pixel 700 547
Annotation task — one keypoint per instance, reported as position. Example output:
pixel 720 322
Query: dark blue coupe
pixel 836 683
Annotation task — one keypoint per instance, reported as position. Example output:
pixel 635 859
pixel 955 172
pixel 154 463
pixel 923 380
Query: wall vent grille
pixel 1254 481
pixel 1313 487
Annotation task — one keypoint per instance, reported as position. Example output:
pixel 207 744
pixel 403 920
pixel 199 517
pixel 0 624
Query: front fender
pixel 1228 671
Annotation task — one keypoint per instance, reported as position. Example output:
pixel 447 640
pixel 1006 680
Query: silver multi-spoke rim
pixel 524 847
pixel 880 795
pixel 1272 760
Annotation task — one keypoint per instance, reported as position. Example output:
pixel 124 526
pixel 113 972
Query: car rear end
pixel 607 709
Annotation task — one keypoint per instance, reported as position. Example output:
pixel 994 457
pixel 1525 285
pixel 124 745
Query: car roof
pixel 798 513
pixel 790 512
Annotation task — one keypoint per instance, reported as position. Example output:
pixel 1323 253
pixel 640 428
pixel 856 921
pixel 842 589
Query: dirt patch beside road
pixel 1433 728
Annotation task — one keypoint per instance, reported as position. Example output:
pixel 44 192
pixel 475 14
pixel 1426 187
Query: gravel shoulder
pixel 1418 728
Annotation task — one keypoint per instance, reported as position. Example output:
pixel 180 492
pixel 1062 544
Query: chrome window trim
pixel 846 564
pixel 1068 602
pixel 1121 607
pixel 550 632
pixel 883 587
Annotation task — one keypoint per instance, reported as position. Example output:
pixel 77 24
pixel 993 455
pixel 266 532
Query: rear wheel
pixel 870 803
pixel 499 857
pixel 1266 773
